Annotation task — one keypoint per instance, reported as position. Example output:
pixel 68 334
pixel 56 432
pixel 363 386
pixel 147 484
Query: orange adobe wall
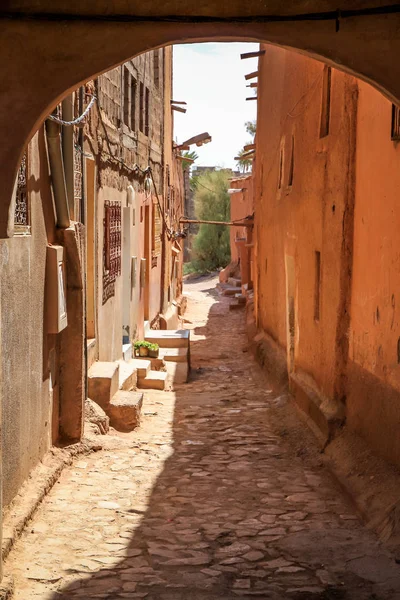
pixel 304 194
pixel 373 397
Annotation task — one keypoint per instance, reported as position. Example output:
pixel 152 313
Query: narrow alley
pixel 206 499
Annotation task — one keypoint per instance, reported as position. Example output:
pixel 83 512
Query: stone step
pixel 154 380
pixel 169 338
pixel 155 363
pixel 240 298
pixel 142 366
pixel 127 352
pixel 235 305
pixel 178 372
pixel 127 375
pixel 178 355
pixel 124 410
pixel 235 282
pixel 91 352
pixel 229 291
pixel 103 382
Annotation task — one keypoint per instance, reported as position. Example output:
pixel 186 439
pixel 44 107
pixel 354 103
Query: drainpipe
pixel 68 151
pixel 53 134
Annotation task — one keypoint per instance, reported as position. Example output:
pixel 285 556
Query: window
pixel 141 107
pixel 111 248
pixel 168 187
pixel 146 111
pixel 21 214
pixel 133 103
pixel 291 165
pixel 126 97
pixel 281 161
pixel 395 132
pixel 156 63
pixel 326 102
pixel 317 293
pixel 156 231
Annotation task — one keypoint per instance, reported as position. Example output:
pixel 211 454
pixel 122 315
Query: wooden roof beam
pixel 178 108
pixel 251 75
pixel 252 54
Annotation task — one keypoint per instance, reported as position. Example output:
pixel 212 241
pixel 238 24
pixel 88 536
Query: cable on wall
pixel 79 119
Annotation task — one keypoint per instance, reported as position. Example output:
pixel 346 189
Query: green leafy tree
pixel 212 243
pixel 191 155
pixel 244 164
pixel 251 127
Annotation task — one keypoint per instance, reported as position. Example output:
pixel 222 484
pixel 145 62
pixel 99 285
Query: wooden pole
pixel 251 75
pixel 249 223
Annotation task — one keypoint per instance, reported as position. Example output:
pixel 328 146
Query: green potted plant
pixel 153 350
pixel 141 348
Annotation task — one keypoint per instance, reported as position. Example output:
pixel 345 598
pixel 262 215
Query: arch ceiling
pixel 48 48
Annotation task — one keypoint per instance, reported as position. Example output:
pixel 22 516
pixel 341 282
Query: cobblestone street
pixel 204 501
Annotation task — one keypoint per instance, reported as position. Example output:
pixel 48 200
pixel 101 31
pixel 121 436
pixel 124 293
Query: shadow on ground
pixel 233 512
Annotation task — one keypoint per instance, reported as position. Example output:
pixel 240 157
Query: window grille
pixel 111 248
pixel 156 231
pixel 168 187
pixel 141 107
pixel 21 215
pixel 77 177
pixel 147 113
pixel 395 133
pixel 133 103
pixel 156 57
pixel 126 96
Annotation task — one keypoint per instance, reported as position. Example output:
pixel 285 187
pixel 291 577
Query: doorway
pixel 126 274
pixel 90 176
pixel 147 256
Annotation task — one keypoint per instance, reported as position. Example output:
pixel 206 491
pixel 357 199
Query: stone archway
pixel 48 51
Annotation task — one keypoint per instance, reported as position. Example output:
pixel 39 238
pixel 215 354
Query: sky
pixel 210 78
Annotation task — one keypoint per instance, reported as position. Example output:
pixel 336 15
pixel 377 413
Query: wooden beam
pixel 180 157
pixel 250 154
pixel 252 54
pixel 251 75
pixel 248 147
pixel 177 102
pixel 248 223
pixel 252 98
pixel 178 108
pixel 252 85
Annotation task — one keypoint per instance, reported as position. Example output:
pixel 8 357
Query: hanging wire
pixel 78 119
pixel 336 16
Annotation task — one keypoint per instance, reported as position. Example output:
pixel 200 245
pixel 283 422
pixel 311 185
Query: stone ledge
pixel 326 414
pixel 33 491
pixel 7 588
pixel 270 356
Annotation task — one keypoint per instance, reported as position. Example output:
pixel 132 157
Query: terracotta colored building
pixel 241 238
pixel 96 219
pixel 325 186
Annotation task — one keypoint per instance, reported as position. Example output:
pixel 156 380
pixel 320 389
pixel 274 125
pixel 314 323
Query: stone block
pixel 103 382
pixel 96 415
pixel 124 410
